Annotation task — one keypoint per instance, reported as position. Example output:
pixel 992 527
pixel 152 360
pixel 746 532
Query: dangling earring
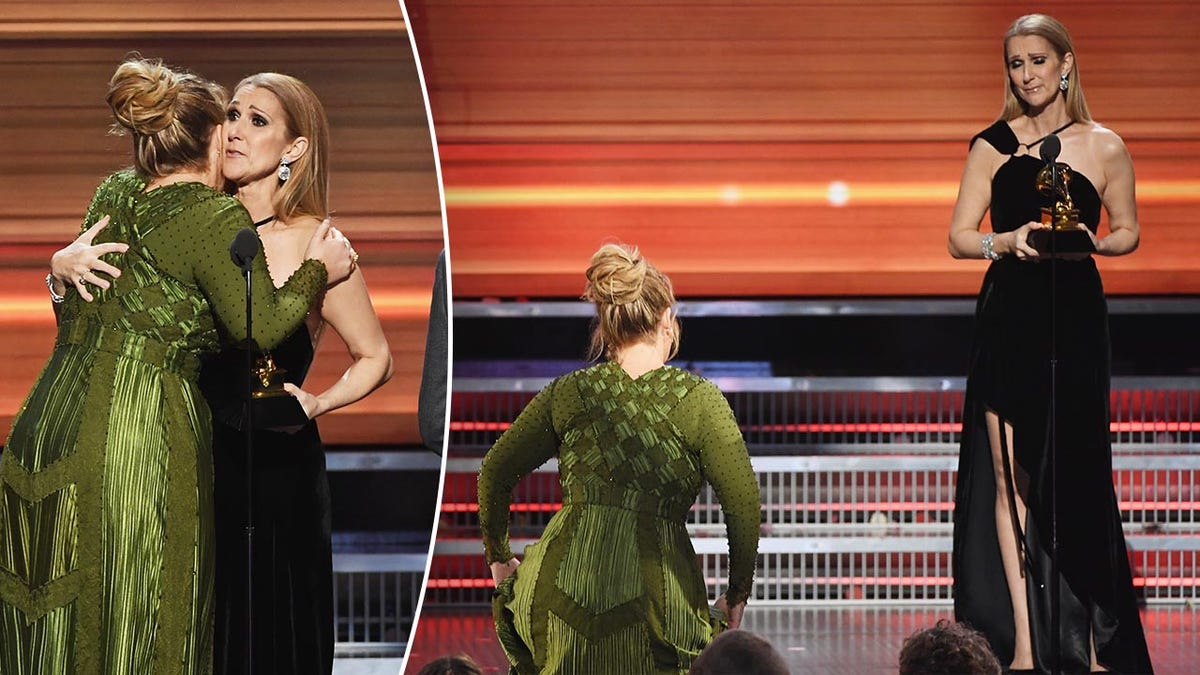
pixel 1062 82
pixel 285 170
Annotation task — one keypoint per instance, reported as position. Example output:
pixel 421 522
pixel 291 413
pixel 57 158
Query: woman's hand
pixel 310 403
pixel 733 614
pixel 1020 241
pixel 332 249
pixel 502 571
pixel 79 264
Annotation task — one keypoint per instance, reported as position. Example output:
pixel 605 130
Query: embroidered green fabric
pixel 613 584
pixel 106 559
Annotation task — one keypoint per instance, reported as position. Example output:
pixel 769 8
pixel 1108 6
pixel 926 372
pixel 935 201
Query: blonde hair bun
pixel 143 94
pixel 630 296
pixel 616 276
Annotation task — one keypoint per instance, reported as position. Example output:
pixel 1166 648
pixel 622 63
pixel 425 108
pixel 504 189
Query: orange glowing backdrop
pixel 55 62
pixel 775 148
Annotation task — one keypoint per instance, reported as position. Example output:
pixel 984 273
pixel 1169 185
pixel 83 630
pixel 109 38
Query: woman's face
pixel 256 136
pixel 1034 69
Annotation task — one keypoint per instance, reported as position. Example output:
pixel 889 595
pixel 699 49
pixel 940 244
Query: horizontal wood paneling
pixel 55 61
pixel 550 115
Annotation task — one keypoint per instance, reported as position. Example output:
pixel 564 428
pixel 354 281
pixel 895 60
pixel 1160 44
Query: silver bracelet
pixel 54 297
pixel 986 245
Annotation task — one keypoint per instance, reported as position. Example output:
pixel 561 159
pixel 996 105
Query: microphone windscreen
pixel 1050 148
pixel 244 248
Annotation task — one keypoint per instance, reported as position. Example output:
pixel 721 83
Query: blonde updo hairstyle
pixel 171 115
pixel 306 192
pixel 630 296
pixel 1052 30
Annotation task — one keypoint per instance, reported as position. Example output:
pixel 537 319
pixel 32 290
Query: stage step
pixel 857 479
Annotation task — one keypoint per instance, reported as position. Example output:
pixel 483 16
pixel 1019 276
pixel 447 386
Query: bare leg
pixel 1009 551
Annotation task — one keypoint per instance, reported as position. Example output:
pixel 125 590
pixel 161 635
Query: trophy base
pixel 283 414
pixel 1061 242
pixel 278 413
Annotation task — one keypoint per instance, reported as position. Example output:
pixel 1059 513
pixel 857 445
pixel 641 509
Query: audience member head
pixel 947 649
pixel 451 665
pixel 739 652
pixel 631 297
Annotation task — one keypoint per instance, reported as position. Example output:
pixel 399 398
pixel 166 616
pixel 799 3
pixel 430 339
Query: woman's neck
pixel 1049 118
pixel 639 358
pixel 185 176
pixel 258 197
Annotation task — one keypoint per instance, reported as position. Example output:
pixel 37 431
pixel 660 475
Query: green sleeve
pixel 526 445
pixel 725 463
pixel 95 210
pixel 277 312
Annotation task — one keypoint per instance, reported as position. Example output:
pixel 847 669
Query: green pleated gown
pixel 106 524
pixel 613 585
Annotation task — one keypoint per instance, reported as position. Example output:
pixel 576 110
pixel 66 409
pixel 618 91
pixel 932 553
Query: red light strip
pixel 1145 582
pixel 873 427
pixel 548 507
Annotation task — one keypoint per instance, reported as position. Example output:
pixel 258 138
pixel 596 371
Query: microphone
pixel 1050 148
pixel 244 248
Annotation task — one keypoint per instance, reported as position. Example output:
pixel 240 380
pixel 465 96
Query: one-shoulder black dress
pixel 1010 374
pixel 293 575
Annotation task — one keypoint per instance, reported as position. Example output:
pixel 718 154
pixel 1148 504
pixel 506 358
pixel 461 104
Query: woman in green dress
pixel 613 585
pixel 106 560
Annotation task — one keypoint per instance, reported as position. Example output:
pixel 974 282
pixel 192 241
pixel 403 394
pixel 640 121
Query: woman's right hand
pixel 504 570
pixel 79 263
pixel 1020 241
pixel 733 614
pixel 328 246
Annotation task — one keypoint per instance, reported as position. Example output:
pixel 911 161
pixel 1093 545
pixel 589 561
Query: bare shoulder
pixel 984 157
pixel 298 231
pixel 303 226
pixel 1105 142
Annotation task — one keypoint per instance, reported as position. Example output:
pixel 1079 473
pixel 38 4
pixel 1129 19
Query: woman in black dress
pixel 1003 504
pixel 276 154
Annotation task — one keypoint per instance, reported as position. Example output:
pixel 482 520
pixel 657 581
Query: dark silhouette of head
pixel 947 649
pixel 451 665
pixel 739 652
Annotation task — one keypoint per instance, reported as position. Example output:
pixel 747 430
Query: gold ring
pixel 353 256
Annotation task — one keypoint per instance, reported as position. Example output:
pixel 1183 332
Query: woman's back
pixel 614 575
pixel 179 282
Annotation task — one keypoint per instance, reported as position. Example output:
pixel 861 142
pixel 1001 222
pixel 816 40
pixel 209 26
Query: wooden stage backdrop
pixel 767 148
pixel 55 62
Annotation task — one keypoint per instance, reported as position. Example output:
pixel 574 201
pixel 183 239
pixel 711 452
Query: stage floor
pixel 814 640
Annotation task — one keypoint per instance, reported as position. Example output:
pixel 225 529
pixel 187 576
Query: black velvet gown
pixel 293 577
pixel 1010 374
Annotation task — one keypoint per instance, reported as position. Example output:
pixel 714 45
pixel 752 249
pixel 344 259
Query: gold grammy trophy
pixel 274 408
pixel 1064 235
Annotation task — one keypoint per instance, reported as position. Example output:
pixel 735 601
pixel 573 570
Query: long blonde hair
pixel 1056 34
pixel 630 296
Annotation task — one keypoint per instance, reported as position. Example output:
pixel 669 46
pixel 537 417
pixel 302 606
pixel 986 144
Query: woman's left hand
pixel 1082 256
pixel 310 403
pixel 79 264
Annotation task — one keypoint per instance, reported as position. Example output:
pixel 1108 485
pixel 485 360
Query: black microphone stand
pixel 243 250
pixel 1049 152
